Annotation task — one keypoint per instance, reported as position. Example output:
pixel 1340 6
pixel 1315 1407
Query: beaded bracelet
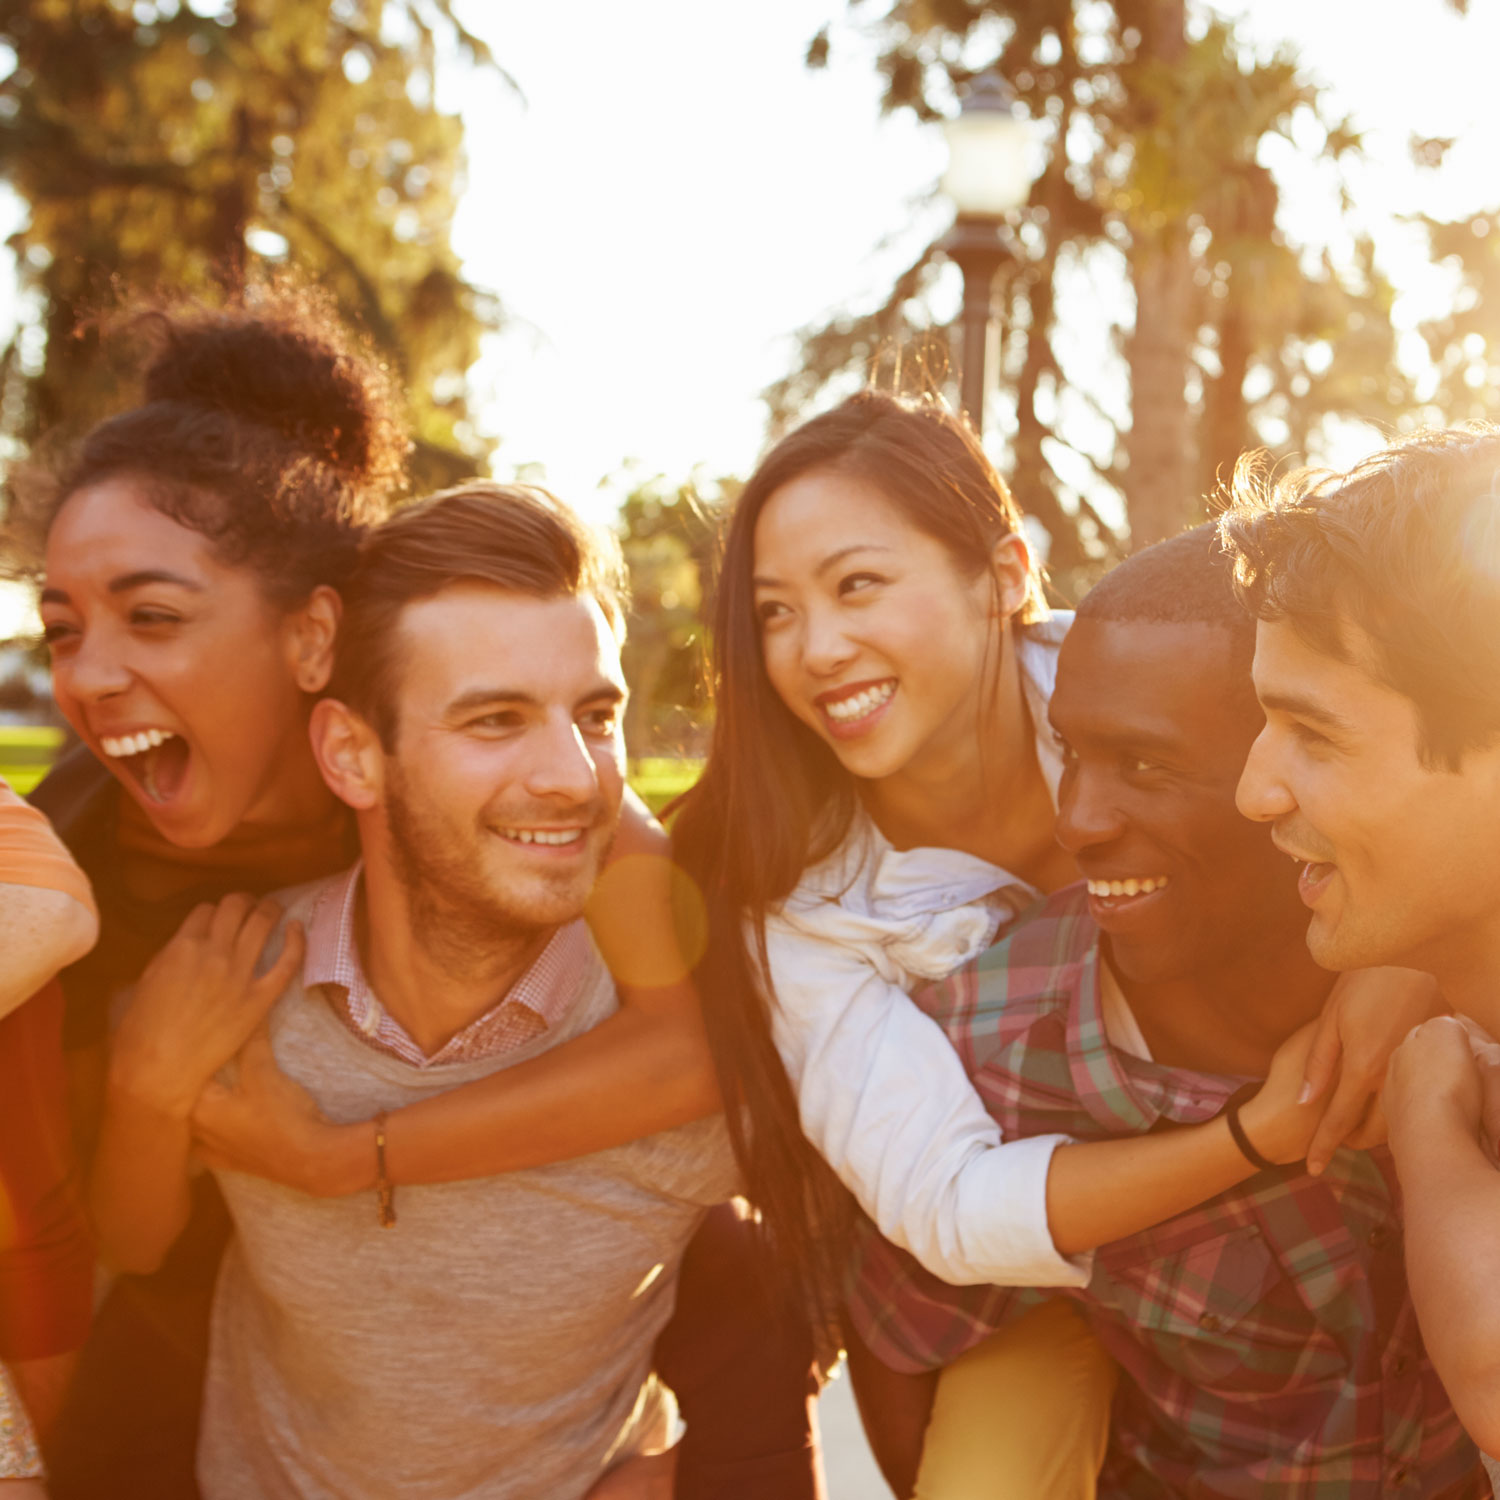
pixel 385 1189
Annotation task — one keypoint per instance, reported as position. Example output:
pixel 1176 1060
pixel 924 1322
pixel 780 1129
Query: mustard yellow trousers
pixel 1022 1416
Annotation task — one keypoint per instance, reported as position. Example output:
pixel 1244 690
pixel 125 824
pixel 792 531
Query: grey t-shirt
pixel 496 1342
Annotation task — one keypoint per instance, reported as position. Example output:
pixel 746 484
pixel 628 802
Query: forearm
pixel 635 1074
pixel 1452 1213
pixel 646 1069
pixel 41 931
pixel 1102 1191
pixel 885 1100
pixel 138 1188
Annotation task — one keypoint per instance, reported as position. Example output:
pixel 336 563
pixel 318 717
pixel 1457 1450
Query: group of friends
pixel 1084 1021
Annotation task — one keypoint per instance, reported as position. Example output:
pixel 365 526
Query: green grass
pixel 26 752
pixel 660 778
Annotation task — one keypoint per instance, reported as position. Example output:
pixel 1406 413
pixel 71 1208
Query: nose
pixel 92 671
pixel 1088 814
pixel 826 647
pixel 1262 794
pixel 562 766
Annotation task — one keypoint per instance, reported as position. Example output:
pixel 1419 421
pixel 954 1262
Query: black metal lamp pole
pixel 978 247
pixel 990 170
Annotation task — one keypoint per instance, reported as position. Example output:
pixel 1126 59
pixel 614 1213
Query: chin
pixel 543 904
pixel 871 762
pixel 183 826
pixel 1140 963
pixel 1322 947
pixel 1332 946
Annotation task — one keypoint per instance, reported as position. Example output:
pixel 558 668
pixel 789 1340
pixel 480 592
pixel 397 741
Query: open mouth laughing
pixel 1315 874
pixel 156 760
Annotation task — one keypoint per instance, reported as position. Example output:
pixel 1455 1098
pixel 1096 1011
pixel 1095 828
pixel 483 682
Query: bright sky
pixel 676 196
pixel 679 194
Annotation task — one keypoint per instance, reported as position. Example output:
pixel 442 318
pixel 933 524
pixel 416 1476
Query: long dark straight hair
pixel 773 798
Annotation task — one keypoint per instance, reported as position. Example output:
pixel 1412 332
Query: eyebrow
pixel 760 581
pixel 128 581
pixel 605 692
pixel 1305 708
pixel 1122 737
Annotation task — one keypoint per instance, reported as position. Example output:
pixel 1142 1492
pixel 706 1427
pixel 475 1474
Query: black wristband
pixel 1237 1101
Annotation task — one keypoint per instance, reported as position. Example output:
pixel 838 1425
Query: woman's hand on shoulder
pixel 1279 1120
pixel 1435 1079
pixel 199 1000
pixel 266 1125
pixel 1368 1014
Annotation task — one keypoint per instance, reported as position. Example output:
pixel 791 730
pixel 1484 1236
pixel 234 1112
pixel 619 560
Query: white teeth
pixel 1131 887
pixel 860 704
pixel 557 836
pixel 134 744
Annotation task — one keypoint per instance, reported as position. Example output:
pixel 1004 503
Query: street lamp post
pixel 989 176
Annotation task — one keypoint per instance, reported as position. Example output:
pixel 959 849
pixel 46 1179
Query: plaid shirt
pixel 1268 1335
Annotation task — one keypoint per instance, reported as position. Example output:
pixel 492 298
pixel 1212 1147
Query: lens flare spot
pixel 649 919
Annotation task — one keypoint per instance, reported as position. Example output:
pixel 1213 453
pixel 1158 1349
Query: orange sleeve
pixel 32 854
pixel 46 1257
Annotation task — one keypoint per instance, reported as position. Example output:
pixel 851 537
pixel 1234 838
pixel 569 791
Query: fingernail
pixel 1306 1092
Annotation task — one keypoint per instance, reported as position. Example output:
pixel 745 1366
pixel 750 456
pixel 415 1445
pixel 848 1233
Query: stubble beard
pixel 461 921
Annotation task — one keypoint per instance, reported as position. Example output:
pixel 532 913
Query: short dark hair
pixel 517 537
pixel 1405 547
pixel 1185 580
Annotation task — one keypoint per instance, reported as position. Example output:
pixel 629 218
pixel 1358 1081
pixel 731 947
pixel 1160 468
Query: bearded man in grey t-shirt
pixel 469 1340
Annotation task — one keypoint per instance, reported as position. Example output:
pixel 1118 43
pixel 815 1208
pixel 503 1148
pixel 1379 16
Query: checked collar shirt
pixel 1268 1337
pixel 532 1005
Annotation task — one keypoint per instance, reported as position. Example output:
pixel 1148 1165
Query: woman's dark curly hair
pixel 262 426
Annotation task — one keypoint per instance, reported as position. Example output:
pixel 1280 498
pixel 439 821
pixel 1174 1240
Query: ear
pixel 349 754
pixel 1010 567
pixel 311 632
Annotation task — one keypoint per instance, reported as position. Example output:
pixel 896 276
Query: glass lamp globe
pixel 991 159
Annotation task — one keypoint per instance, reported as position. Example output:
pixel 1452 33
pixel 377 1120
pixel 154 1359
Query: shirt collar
pixel 547 988
pixel 1062 960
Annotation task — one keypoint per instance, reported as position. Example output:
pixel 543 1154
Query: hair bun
pixel 283 363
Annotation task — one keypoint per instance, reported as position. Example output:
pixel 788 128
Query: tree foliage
pixel 1155 190
pixel 669 534
pixel 1465 341
pixel 169 147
